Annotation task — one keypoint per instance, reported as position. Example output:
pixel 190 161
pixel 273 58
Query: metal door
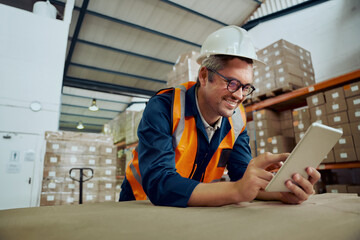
pixel 18 154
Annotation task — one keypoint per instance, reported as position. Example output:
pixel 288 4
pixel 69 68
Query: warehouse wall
pixel 32 56
pixel 330 31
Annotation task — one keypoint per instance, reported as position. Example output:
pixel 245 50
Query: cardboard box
pixel 336 188
pixel 52 185
pixel 352 89
pixel 108 196
pixel 260 151
pixel 329 158
pixel 315 100
pixel 55 172
pixel 354 114
pixel 345 155
pixel 284 79
pixel 355 128
pixel 280 144
pixel 338 118
pixel 318 111
pixel 283 44
pixel 299 136
pixel 286 124
pixel 265 133
pixel 91 160
pixel 107 150
pixel 70 198
pixel 261 143
pixel 90 197
pixel 76 147
pixel 55 146
pixel 308 81
pixel 356 138
pixel 353 102
pixel 70 186
pixel 289 132
pixel 264 124
pixel 50 199
pixel 344 142
pixel 265 114
pixel 321 120
pixel 301 125
pixel 289 69
pixel 345 128
pixel 285 115
pixel 107 185
pixel 91 186
pixel 53 159
pixel 336 106
pixel 301 114
pixel 334 95
pixel 107 161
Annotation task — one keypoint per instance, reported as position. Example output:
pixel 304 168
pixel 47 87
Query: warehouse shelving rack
pixel 297 98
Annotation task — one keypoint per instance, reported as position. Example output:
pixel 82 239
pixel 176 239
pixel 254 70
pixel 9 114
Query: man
pixel 189 134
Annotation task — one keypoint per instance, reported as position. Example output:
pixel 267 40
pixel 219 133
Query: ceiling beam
pixel 83 107
pixel 85 116
pixel 124 51
pixel 100 99
pixel 194 12
pixel 74 129
pixel 112 19
pixel 85 124
pixel 106 87
pixel 118 73
pixel 253 23
pixel 76 35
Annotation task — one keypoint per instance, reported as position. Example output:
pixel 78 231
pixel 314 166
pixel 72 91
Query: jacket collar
pixel 192 111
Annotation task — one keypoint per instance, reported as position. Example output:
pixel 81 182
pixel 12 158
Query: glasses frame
pixel 238 83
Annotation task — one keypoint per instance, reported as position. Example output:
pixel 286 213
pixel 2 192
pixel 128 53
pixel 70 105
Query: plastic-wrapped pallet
pixel 67 150
pixel 288 67
pixel 184 70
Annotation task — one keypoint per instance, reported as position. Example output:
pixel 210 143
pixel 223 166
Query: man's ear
pixel 203 76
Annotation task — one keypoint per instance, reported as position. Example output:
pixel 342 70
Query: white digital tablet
pixel 317 142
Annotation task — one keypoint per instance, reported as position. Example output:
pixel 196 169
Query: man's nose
pixel 239 94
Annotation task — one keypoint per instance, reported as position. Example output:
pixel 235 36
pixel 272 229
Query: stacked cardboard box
pixel 185 69
pixel 124 127
pixel 286 122
pixel 131 126
pixel 117 128
pixel 340 108
pixel 301 122
pixel 343 188
pixel 67 150
pixel 288 66
pixel 269 136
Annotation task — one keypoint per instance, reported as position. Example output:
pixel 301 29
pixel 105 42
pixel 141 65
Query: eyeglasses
pixel 233 85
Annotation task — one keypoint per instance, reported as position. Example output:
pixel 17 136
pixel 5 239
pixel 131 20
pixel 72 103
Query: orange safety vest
pixel 185 143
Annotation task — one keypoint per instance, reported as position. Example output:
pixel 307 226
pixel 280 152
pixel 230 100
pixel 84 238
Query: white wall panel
pixel 330 31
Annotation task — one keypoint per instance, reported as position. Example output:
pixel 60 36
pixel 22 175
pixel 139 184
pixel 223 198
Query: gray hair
pixel 219 62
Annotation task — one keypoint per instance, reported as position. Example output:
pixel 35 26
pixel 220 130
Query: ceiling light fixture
pixel 80 125
pixel 93 106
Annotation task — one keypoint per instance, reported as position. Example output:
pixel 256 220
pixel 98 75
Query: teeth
pixel 231 102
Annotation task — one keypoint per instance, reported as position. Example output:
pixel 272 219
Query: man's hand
pixel 256 176
pixel 304 189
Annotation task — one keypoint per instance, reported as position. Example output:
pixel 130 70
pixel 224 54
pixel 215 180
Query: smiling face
pixel 213 97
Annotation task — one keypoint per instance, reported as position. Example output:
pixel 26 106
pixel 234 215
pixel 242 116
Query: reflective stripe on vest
pixel 184 134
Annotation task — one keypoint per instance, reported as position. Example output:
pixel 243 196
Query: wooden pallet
pixel 275 92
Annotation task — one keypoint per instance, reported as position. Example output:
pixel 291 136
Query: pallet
pixel 275 92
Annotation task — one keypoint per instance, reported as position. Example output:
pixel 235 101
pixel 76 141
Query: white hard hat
pixel 230 40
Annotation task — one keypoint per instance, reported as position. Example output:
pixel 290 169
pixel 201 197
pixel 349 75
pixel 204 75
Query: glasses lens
pixel 233 86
